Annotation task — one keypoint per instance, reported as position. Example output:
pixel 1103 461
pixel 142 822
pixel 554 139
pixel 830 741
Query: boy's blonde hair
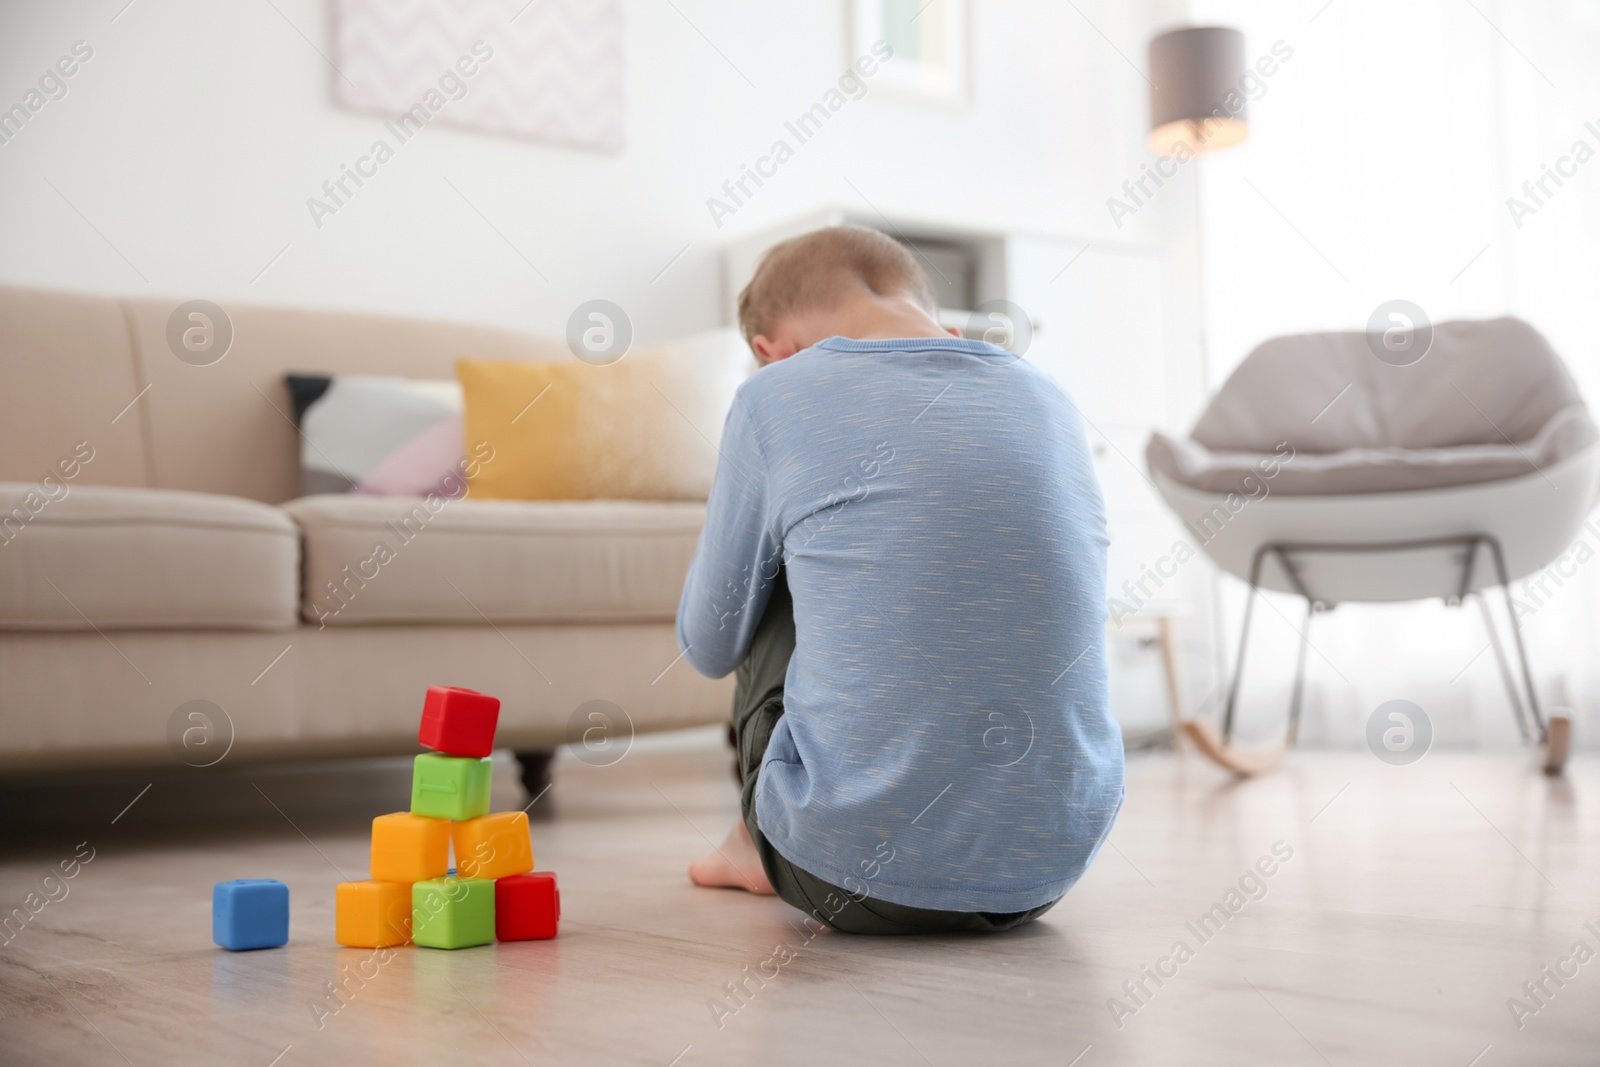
pixel 810 271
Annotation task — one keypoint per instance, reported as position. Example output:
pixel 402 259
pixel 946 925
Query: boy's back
pixel 934 508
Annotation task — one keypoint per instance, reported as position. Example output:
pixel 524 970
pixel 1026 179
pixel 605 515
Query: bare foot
pixel 733 865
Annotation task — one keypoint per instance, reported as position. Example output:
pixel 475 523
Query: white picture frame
pixel 931 41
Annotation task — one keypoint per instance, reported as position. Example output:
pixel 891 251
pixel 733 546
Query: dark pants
pixel 757 707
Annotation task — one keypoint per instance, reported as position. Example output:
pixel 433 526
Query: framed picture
pixel 931 42
pixel 551 69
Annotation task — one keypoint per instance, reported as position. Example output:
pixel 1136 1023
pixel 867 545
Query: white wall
pixel 194 136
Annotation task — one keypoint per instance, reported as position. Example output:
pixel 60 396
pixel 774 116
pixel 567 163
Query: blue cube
pixel 250 913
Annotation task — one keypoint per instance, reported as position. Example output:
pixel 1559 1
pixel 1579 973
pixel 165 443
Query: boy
pixel 904 558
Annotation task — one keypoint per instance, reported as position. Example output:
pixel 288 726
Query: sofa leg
pixel 536 777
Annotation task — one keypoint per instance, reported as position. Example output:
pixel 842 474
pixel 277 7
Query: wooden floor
pixel 1416 902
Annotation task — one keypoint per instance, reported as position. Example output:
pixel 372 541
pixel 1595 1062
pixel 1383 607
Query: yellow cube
pixel 493 846
pixel 409 848
pixel 372 914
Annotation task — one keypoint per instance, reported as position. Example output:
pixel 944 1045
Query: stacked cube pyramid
pixel 415 896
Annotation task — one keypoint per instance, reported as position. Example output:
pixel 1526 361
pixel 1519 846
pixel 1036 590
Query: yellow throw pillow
pixel 644 428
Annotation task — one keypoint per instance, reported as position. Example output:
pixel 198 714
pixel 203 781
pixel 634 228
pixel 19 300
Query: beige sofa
pixel 152 554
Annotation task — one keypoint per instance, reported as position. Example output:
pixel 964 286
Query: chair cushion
pixel 1488 401
pixel 438 560
pixel 1367 470
pixel 97 557
pixel 1481 383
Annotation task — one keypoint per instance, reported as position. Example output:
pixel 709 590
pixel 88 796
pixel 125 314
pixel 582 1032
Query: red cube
pixel 527 907
pixel 459 722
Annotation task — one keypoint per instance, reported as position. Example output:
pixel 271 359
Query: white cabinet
pixel 1101 328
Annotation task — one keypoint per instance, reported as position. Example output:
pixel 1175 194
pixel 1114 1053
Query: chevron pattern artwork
pixel 554 72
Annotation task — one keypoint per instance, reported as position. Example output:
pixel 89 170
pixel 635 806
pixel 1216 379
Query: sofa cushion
pixel 229 427
pixel 643 428
pixel 67 368
pixel 439 560
pixel 81 557
pixel 379 435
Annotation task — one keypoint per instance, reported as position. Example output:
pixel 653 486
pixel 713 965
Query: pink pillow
pixel 421 465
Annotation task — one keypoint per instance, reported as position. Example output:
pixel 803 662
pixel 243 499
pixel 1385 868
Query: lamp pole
pixel 1195 74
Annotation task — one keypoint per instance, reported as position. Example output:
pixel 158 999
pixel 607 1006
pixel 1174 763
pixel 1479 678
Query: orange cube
pixel 372 914
pixel 409 848
pixel 492 846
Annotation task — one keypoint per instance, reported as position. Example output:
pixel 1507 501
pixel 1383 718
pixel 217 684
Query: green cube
pixel 449 787
pixel 452 912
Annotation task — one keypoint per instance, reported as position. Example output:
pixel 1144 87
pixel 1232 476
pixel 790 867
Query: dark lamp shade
pixel 1196 99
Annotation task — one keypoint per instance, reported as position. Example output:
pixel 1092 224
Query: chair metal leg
pixel 1300 674
pixel 1244 641
pixel 1516 633
pixel 1505 668
pixel 1471 543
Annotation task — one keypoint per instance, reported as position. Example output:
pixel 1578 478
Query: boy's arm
pixel 739 553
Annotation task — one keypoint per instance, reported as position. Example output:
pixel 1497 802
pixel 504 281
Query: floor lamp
pixel 1197 105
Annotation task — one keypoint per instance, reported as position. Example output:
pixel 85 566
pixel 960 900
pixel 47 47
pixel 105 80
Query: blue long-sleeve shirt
pixel 933 504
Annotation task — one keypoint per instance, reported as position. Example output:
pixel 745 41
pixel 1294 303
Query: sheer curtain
pixel 1381 158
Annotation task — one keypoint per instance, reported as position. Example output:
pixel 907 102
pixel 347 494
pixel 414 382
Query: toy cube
pixel 449 787
pixel 527 907
pixel 452 912
pixel 250 913
pixel 458 722
pixel 372 914
pixel 493 846
pixel 409 848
